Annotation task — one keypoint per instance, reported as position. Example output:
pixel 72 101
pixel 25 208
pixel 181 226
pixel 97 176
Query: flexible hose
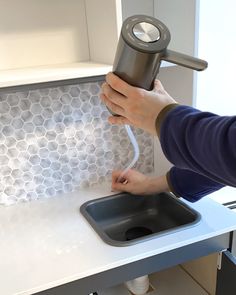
pixel 139 285
pixel 136 153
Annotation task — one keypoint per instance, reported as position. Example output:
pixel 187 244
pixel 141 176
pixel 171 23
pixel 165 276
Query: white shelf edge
pixel 42 74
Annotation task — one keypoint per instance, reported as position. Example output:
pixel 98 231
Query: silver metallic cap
pixel 146 32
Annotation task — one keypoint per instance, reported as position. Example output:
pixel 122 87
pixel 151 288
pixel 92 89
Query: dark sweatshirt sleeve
pixel 190 185
pixel 201 142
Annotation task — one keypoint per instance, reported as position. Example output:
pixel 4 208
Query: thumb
pixel 119 120
pixel 158 86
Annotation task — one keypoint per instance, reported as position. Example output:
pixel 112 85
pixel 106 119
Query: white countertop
pixel 47 243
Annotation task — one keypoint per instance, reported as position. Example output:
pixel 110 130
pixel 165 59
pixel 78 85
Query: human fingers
pixel 119 120
pixel 128 176
pixel 111 106
pixel 118 185
pixel 115 175
pixel 121 187
pixel 158 86
pixel 118 84
pixel 118 177
pixel 113 95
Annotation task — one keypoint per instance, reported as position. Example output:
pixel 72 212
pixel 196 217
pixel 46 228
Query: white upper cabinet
pixel 181 18
pixel 131 7
pixel 43 41
pixel 54 40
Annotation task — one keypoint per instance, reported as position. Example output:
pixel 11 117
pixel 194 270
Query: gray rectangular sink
pixel 125 219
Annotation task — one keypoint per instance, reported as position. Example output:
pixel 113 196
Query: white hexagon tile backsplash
pixel 56 140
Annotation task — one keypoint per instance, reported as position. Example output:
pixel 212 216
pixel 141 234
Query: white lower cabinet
pixel 173 281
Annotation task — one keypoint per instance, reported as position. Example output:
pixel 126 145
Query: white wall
pixel 217 44
pixel 216 87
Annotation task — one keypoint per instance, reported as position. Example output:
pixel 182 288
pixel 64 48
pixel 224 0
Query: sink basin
pixel 125 219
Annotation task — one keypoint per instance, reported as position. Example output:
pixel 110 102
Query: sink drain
pixel 137 232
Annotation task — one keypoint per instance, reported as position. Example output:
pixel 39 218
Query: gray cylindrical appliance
pixel 141 48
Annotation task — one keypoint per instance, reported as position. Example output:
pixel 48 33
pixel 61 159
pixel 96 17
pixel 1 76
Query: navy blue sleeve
pixel 190 185
pixel 203 143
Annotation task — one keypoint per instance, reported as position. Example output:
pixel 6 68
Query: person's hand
pixel 135 106
pixel 137 183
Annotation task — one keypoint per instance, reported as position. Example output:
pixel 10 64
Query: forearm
pixel 201 142
pixel 157 184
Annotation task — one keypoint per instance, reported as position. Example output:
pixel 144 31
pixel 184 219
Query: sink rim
pixel 102 234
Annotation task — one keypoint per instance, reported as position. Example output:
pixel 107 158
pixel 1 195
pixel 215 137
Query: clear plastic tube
pixel 136 153
pixel 139 285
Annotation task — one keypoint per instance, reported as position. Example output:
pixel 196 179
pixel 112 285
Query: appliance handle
pixel 184 60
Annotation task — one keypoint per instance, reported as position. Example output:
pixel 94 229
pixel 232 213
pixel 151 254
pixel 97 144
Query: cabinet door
pixel 226 284
pixel 180 16
pixel 131 7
